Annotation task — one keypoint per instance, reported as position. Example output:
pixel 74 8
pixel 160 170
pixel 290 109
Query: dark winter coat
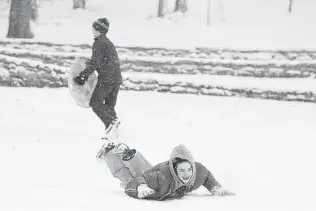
pixel 104 60
pixel 163 179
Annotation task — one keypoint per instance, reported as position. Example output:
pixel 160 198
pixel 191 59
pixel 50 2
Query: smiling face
pixel 184 171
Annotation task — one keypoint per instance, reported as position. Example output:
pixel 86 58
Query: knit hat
pixel 101 25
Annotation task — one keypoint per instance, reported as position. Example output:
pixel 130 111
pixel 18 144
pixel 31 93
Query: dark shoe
pixel 128 154
pixel 124 151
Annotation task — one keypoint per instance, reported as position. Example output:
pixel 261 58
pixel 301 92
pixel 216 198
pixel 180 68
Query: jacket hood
pixel 181 151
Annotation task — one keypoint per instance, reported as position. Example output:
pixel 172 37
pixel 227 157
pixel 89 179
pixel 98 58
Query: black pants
pixel 103 101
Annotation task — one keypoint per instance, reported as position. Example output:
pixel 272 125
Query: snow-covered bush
pixel 46 65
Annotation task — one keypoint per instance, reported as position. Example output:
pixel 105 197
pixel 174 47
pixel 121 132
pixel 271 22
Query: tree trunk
pixel 208 13
pixel 161 8
pixel 79 4
pixel 181 5
pixel 19 19
pixel 290 6
pixel 34 10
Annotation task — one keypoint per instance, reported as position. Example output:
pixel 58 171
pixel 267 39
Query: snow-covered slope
pixel 279 75
pixel 261 150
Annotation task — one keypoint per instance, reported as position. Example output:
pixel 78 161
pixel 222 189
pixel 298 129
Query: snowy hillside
pixel 278 75
pixel 264 151
pixel 254 24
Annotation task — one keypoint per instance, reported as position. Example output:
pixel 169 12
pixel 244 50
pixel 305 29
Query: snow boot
pixel 112 129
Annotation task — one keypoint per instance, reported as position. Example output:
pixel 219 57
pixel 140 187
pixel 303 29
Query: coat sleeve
pixel 154 180
pixel 95 62
pixel 210 181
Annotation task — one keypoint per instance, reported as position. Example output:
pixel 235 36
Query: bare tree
pixel 19 19
pixel 181 5
pixel 79 4
pixel 290 6
pixel 208 13
pixel 34 10
pixel 161 8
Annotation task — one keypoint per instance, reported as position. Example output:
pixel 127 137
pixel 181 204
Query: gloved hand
pixel 219 191
pixel 143 190
pixel 79 80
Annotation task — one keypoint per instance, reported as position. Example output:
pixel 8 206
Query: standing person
pixel 174 178
pixel 106 62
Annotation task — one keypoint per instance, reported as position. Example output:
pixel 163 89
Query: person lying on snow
pixel 171 179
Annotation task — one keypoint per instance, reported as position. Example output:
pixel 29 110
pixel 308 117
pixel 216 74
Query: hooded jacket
pixel 163 179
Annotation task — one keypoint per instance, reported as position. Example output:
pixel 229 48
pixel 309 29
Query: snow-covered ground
pixel 254 24
pixel 264 151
